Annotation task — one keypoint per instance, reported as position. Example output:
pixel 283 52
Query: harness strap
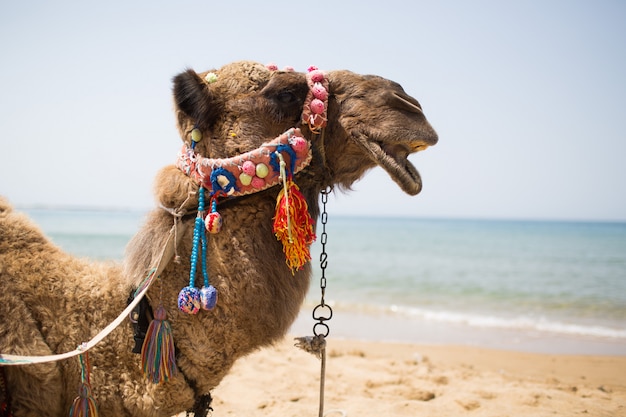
pixel 140 318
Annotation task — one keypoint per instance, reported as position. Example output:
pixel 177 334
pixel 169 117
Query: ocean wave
pixel 540 324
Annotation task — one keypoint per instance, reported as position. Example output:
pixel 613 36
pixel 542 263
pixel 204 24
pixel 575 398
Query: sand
pixel 367 378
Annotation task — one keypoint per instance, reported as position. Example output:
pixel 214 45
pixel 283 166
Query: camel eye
pixel 286 97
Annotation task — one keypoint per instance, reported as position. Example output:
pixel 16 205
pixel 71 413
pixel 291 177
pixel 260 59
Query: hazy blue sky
pixel 528 97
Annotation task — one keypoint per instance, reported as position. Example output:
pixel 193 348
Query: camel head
pixel 370 120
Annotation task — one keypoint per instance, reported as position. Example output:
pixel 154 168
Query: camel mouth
pixel 393 158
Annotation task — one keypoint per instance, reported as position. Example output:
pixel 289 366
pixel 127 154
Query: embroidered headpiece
pixel 250 172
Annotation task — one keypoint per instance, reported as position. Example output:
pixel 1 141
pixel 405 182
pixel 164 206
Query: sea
pixel 537 286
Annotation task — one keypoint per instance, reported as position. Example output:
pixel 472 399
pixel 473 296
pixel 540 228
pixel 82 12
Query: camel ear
pixel 194 99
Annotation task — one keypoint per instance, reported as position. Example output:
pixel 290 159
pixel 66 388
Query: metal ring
pixel 325 328
pixel 318 315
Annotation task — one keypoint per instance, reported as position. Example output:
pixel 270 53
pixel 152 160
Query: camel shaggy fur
pixel 50 302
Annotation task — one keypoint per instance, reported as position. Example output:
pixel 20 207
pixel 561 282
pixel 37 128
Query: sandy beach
pixel 381 365
pixel 367 378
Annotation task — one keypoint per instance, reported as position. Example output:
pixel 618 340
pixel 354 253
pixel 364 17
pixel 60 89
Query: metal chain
pixel 323 312
pixel 318 312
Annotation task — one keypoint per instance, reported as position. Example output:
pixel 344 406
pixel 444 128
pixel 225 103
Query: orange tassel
pixel 293 225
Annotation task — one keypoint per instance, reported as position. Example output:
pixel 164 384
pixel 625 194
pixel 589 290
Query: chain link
pixel 323 312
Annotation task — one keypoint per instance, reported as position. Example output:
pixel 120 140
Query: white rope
pixel 84 347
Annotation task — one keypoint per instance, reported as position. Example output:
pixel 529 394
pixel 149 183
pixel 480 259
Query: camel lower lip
pixel 408 178
pixel 399 168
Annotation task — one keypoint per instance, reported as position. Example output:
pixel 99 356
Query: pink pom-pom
pixel 257 182
pixel 249 168
pixel 312 68
pixel 213 222
pixel 289 69
pixel 319 91
pixel 299 144
pixel 317 106
pixel 317 76
pixel 272 67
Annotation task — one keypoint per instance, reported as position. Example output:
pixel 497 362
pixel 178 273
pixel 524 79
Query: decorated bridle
pixel 269 165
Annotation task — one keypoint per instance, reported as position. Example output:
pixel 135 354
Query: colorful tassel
pixel 293 225
pixel 158 358
pixel 84 405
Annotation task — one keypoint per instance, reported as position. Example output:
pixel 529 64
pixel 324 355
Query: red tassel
pixel 157 353
pixel 293 225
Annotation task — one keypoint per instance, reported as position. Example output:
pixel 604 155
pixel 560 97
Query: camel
pixel 51 302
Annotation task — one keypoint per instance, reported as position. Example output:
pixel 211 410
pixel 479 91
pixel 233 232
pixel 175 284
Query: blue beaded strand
pixel 197 235
pixel 205 274
pixel 190 299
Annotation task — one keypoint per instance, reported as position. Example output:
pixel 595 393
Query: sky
pixel 528 98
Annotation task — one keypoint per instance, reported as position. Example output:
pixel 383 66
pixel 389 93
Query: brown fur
pixel 50 302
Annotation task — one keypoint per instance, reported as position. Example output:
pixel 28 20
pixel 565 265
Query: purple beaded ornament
pixel 189 300
pixel 208 297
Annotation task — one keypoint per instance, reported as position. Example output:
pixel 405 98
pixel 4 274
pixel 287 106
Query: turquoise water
pixel 565 278
pixel 546 276
pixel 95 234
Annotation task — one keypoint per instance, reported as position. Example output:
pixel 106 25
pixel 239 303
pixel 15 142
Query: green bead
pixel 196 135
pixel 262 170
pixel 211 77
pixel 245 178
